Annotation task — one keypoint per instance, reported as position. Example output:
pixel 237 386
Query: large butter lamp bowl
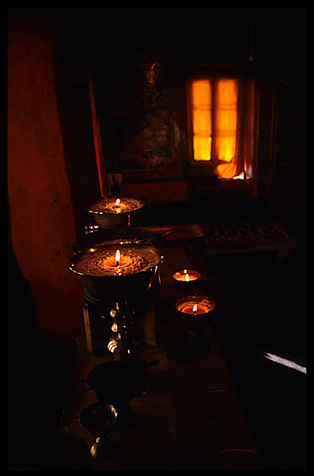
pixel 117 280
pixel 119 272
pixel 116 236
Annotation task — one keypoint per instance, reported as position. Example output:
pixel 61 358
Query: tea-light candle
pixel 194 305
pixel 186 280
pixel 195 309
pixel 186 275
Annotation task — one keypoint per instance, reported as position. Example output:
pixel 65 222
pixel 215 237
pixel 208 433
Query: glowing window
pixel 214 106
pixel 202 120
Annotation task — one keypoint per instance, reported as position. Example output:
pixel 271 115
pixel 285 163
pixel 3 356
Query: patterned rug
pixel 243 232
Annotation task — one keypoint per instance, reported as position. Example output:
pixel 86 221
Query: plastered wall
pixel 41 211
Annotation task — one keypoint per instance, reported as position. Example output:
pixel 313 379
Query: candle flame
pixel 194 309
pixel 117 202
pixel 187 277
pixel 117 258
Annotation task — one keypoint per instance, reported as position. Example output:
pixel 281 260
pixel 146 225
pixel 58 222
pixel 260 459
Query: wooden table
pixel 190 417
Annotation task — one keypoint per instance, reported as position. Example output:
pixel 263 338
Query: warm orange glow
pixel 202 127
pixel 226 127
pixel 117 258
pixel 216 140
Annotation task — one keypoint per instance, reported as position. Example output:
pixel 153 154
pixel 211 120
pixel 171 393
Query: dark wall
pixel 42 221
pixel 288 175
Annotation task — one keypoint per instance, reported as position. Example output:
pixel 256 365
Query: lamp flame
pixel 117 202
pixel 187 277
pixel 117 258
pixel 194 309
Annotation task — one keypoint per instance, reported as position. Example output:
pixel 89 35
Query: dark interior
pixel 55 54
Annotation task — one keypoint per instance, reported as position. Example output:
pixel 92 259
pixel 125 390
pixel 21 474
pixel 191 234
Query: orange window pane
pixel 201 119
pixel 227 93
pixel 226 146
pixel 201 94
pixel 226 120
pixel 202 122
pixel 202 147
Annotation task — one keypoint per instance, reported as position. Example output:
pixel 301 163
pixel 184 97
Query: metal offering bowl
pixel 124 283
pixel 117 382
pixel 117 236
pixel 107 216
pixel 99 417
pixel 114 381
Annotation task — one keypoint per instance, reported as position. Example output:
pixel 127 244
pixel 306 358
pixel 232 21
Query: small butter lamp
pixel 196 310
pixel 186 280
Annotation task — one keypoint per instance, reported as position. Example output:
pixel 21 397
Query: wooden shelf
pixel 190 417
